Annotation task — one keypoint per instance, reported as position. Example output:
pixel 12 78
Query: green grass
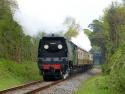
pixel 12 73
pixel 95 85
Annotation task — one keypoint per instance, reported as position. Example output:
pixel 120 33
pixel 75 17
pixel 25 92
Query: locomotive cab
pixel 52 57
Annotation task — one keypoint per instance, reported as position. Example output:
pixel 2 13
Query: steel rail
pixel 44 87
pixel 19 87
pixel 39 88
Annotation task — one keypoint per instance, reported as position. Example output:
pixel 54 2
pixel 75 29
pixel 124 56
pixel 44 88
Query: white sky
pixel 49 15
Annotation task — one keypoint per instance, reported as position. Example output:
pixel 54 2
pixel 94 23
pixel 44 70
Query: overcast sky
pixel 49 15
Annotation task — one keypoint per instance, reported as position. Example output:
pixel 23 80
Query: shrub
pixel 117 71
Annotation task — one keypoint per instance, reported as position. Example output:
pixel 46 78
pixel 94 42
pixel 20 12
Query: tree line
pixel 14 44
pixel 108 34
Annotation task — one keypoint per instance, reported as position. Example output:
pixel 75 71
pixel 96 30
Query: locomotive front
pixel 52 57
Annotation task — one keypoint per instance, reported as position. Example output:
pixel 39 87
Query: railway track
pixel 30 88
pixel 43 88
pixel 34 87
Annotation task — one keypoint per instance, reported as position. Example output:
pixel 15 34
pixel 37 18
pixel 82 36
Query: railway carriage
pixel 58 57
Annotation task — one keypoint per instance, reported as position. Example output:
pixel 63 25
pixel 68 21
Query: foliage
pixel 115 17
pixel 96 26
pixel 117 68
pixel 72 28
pixel 14 44
pixel 114 59
pixel 87 32
pixel 109 34
pixel 12 73
pixel 99 36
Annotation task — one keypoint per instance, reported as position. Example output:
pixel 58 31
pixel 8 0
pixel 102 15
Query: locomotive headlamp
pixel 60 46
pixel 46 46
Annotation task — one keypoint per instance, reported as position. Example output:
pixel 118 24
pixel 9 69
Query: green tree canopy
pixel 72 28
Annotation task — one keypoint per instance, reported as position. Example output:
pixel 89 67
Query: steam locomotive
pixel 58 57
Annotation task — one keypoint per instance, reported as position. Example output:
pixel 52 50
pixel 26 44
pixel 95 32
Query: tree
pixel 72 28
pixel 87 32
pixel 14 44
pixel 115 17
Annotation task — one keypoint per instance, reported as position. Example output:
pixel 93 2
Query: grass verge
pixel 95 85
pixel 12 73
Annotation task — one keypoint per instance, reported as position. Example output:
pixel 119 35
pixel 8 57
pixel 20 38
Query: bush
pixel 117 71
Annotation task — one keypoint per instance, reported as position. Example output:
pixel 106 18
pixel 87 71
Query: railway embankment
pixel 13 74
